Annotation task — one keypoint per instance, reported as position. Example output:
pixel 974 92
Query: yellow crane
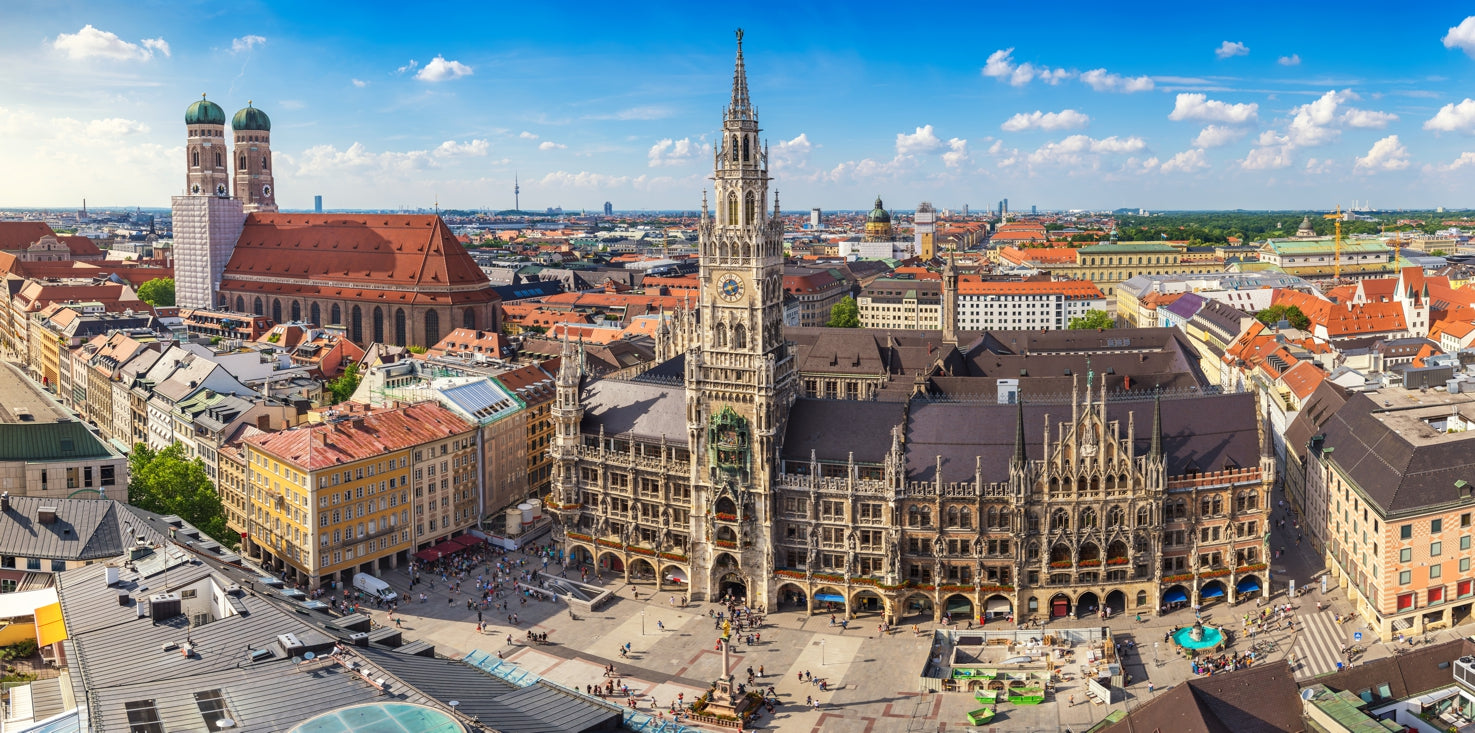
pixel 1337 245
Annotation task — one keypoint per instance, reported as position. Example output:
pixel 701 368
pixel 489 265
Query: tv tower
pixel 516 194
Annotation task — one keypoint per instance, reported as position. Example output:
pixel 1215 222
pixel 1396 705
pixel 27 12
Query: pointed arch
pixel 468 319
pixel 401 335
pixel 356 325
pixel 197 159
pixel 316 314
pixel 219 162
pixel 965 519
pixel 952 516
pixel 432 327
pixel 739 336
pixel 745 148
pixel 750 209
pixel 734 148
pixel 296 311
pixel 732 209
pixel 240 304
pixel 335 314
pixel 1088 518
pixel 377 323
pixel 276 309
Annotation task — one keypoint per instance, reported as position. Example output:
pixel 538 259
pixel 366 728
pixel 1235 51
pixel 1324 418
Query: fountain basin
pixel 1212 637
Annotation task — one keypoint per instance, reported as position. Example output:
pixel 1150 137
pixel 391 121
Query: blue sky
pixel 1275 105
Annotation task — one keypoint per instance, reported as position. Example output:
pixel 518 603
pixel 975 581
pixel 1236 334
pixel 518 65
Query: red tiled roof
pixel 1072 289
pixel 1040 256
pixel 472 340
pixel 353 257
pixel 363 436
pixel 22 234
pixel 1302 379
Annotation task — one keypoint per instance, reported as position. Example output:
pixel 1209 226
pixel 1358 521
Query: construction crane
pixel 1337 245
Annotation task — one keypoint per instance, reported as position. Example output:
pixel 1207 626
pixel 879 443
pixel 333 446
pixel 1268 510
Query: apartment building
pixel 360 492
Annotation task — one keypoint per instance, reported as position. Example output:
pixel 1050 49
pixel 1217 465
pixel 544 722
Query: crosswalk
pixel 1319 645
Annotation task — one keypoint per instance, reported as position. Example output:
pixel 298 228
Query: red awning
pixel 469 540
pixel 428 555
pixel 447 547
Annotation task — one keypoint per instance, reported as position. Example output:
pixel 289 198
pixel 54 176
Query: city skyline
pixel 1249 114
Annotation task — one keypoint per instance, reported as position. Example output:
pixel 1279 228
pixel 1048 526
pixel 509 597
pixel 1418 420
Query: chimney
pixel 46 515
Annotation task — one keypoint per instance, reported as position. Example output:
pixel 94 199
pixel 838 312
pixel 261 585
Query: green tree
pixel 1277 313
pixel 158 292
pixel 1439 253
pixel 166 482
pixel 1093 319
pixel 342 387
pixel 845 314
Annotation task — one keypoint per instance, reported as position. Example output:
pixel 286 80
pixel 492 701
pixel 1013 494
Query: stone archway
pixel 792 597
pixel 866 602
pixel 642 570
pixel 1087 602
pixel 1210 592
pixel 998 606
pixel 832 598
pixel 580 555
pixel 1176 596
pixel 1248 586
pixel 917 607
pixel 1060 605
pixel 731 585
pixel 958 606
pixel 1116 601
pixel 674 577
pixel 612 562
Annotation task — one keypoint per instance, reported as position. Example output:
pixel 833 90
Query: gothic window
pixel 1114 517
pixel 952 516
pixel 468 319
pixel 966 518
pixel 432 327
pixel 993 516
pixel 750 213
pixel 197 159
pixel 335 315
pixel 316 314
pixel 243 162
pixel 739 337
pixel 276 309
pixel 356 327
pixel 378 324
pixel 218 162
pixel 1088 518
pixel 734 148
pixel 240 304
pixel 1060 520
pixel 745 148
pixel 266 162
pixel 732 210
pixel 1142 517
pixel 400 337
pixel 1032 521
pixel 1081 484
pixel 296 311
pixel 719 335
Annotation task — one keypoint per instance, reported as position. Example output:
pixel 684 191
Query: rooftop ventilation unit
pixel 165 606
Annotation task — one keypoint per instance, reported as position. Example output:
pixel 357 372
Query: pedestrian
pixel 1072 700
pixel 1149 688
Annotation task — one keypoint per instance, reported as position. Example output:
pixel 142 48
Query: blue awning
pixel 829 598
pixel 1214 592
pixel 1175 596
pixel 1248 585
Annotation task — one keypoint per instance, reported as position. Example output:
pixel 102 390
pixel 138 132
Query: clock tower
pixel 740 379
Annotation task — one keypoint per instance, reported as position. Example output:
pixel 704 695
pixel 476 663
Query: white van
pixel 374 587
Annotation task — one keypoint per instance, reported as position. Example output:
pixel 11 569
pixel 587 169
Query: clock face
pixel 266 190
pixel 730 287
pixel 220 189
pixel 195 188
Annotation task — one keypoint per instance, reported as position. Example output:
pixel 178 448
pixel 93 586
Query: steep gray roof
pixel 642 409
pixel 1395 472
pixel 833 429
pixel 85 529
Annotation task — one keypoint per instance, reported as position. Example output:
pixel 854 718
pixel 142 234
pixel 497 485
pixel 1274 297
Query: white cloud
pixel 635 113
pixel 1217 136
pixel 93 43
pixel 1267 158
pixel 957 153
pixel 1454 117
pixel 469 149
pixel 1071 150
pixel 921 141
pixel 550 145
pixel 1231 48
pixel 527 135
pixel 246 43
pixel 408 67
pixel 1291 60
pixel 439 69
pixel 1466 160
pixel 1366 118
pixel 1387 154
pixel 677 152
pixel 1319 122
pixel 1462 36
pixel 1103 81
pixel 360 83
pixel 1066 119
pixel 791 153
pixel 1200 107
pixel 1000 65
pixel 586 179
pixel 1187 161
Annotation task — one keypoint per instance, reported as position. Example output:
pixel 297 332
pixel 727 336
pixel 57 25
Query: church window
pixel 719 336
pixel 357 326
pixel 732 210
pixel 257 308
pixel 315 313
pixel 243 162
pixel 750 213
pixel 468 319
pixel 745 148
pixel 432 327
pixel 266 162
pixel 335 315
pixel 197 159
pixel 734 148
pixel 276 310
pixel 296 311
pixel 739 337
pixel 378 324
pixel 399 328
pixel 218 162
pixel 240 304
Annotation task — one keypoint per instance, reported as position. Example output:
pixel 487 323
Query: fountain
pixel 1198 636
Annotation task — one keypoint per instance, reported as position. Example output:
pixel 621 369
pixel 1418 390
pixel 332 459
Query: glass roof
pixel 389 717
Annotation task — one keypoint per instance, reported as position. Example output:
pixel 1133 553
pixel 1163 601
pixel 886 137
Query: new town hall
pixel 987 473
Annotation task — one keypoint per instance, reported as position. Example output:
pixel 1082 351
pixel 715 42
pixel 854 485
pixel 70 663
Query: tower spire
pixel 1156 451
pixel 740 107
pixel 1021 458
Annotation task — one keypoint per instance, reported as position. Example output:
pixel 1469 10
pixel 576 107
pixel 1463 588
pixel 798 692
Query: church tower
pixel 207 220
pixel 740 379
pixel 205 151
pixel 253 181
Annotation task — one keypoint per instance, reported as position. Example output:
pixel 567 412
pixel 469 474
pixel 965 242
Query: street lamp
pixel 642 622
pixel 821 652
